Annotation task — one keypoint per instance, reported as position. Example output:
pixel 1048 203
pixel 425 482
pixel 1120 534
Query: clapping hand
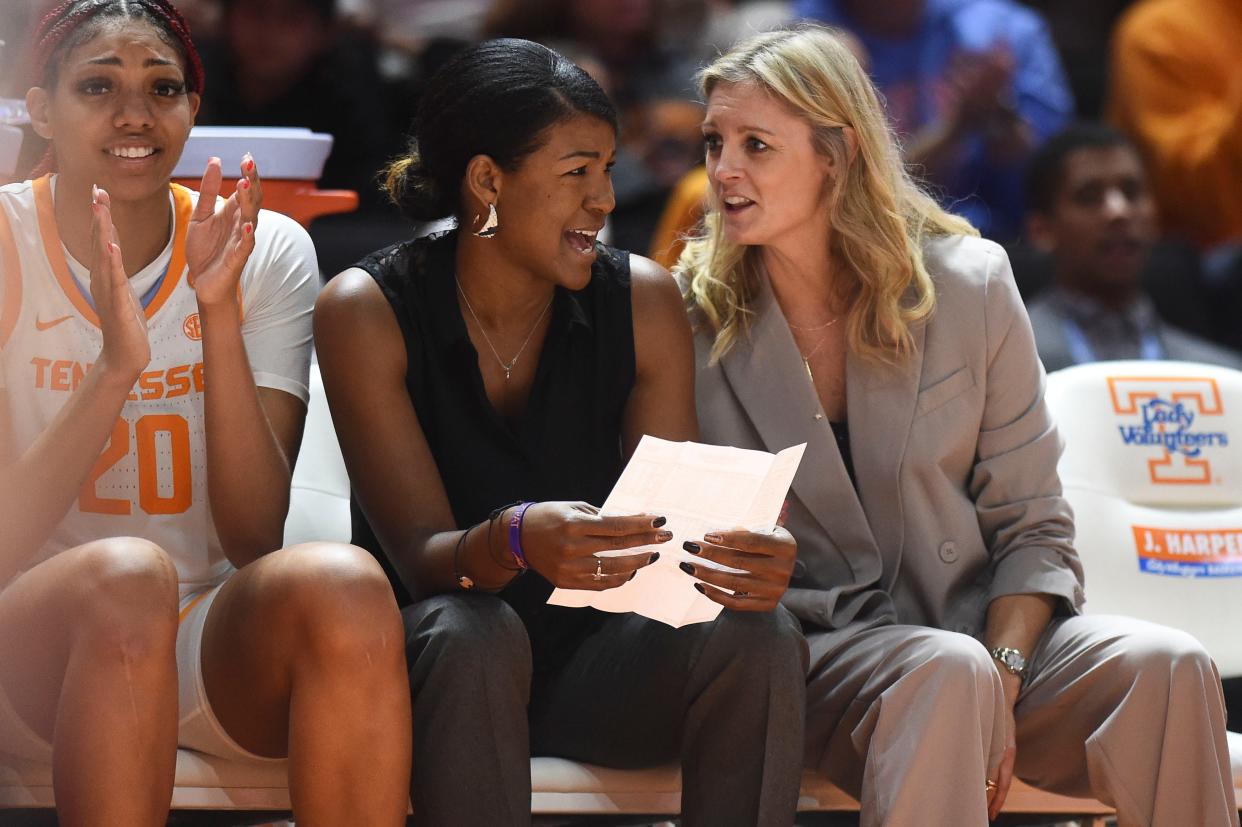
pixel 220 241
pixel 126 347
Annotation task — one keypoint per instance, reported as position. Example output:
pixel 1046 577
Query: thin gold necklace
pixel 806 357
pixel 507 367
pixel 826 324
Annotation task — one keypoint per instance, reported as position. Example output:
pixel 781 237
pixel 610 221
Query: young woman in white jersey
pixel 154 348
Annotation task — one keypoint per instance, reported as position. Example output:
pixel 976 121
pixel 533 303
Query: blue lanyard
pixel 1082 353
pixel 145 300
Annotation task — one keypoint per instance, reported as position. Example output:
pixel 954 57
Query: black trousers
pixel 727 699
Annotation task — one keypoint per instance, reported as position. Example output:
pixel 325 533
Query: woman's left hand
pixel 766 560
pixel 219 242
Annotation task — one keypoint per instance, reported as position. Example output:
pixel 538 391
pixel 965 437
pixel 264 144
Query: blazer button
pixel 948 552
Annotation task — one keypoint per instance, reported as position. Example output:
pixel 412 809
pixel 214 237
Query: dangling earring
pixel 491 225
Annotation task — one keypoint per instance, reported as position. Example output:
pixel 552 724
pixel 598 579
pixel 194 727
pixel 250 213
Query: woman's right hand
pixel 126 347
pixel 560 540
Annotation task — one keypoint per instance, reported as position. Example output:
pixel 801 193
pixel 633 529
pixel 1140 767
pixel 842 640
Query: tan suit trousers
pixel 910 720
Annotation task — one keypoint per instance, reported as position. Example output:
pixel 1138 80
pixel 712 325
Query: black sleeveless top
pixel 567 443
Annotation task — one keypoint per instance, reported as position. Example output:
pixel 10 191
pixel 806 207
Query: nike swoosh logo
pixel 40 325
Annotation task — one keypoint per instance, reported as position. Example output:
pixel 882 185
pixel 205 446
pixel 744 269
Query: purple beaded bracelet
pixel 515 535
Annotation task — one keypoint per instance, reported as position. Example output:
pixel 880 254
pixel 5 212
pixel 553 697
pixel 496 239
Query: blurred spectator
pixel 731 21
pixel 1091 210
pixel 408 24
pixel 651 48
pixel 1177 89
pixel 1082 33
pixel 972 87
pixel 284 63
pixel 17 20
pixel 645 54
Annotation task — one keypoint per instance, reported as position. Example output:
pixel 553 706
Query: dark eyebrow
pixel 581 153
pixel 116 61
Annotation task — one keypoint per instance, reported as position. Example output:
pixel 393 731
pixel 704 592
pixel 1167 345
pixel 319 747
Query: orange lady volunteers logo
pixel 192 327
pixel 1176 415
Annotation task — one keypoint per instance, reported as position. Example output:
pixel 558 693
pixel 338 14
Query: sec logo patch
pixel 192 327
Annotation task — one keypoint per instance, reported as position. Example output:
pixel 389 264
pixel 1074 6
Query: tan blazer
pixel 955 453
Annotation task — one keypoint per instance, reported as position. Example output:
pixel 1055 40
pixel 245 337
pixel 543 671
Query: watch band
pixel 1012 659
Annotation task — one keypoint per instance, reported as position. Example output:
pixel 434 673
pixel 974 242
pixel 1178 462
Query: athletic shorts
pixel 197 729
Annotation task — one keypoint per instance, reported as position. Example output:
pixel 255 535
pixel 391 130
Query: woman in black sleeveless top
pixel 518 361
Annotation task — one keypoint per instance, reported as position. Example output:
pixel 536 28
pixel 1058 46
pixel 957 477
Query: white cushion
pixel 280 152
pixel 1110 413
pixel 1159 530
pixel 319 500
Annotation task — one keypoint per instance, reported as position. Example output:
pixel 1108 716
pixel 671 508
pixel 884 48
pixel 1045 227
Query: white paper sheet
pixel 699 488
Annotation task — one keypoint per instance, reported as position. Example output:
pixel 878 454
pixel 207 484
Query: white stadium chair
pixel 319 509
pixel 1153 470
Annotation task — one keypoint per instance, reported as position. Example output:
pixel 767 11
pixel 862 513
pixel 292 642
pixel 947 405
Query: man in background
pixel 1091 211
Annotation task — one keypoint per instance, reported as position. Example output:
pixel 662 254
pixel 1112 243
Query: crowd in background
pixel 1120 234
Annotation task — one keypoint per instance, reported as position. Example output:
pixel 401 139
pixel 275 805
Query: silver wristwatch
pixel 1013 660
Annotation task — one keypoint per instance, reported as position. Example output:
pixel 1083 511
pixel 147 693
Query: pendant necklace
pixel 507 367
pixel 806 357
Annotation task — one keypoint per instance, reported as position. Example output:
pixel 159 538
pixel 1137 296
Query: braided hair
pixel 74 22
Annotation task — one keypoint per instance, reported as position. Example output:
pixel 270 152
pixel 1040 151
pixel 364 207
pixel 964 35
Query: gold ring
pixel 989 785
pixel 599 569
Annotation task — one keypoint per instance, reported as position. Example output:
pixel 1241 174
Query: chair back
pixel 1153 470
pixel 319 499
pixel 290 161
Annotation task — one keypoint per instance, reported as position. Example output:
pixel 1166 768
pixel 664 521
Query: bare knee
pixel 129 604
pixel 340 604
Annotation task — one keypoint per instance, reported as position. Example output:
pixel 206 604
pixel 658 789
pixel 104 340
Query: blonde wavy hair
pixel 879 217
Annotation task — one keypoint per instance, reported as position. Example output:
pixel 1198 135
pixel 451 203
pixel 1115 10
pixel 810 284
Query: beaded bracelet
pixel 515 535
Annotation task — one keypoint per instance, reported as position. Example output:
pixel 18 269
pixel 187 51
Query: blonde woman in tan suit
pixel 937 583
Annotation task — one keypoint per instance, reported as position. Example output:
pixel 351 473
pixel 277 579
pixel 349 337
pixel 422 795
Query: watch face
pixel 1012 659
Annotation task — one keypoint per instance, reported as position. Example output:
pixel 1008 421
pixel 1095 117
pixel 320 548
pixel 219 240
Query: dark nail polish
pixel 699 586
pixel 658 522
pixel 654 557
pixel 693 548
pixel 686 567
pixel 664 536
pixel 633 574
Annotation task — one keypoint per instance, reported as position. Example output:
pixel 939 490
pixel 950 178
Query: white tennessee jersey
pixel 150 480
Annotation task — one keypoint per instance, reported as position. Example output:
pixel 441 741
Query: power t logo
pixel 1177 417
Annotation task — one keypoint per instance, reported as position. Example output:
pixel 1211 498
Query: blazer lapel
pixel 769 379
pixel 881 402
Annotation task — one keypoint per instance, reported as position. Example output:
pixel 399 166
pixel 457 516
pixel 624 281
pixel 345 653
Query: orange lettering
pixel 149 383
pixel 178 381
pixel 60 374
pixel 40 365
pixel 198 377
pixel 113 452
pixel 149 496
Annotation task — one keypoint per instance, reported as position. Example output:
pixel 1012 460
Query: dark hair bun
pixel 410 186
pixel 496 98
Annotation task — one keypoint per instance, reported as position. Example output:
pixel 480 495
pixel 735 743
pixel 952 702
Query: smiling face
pixel 119 113
pixel 769 181
pixel 553 205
